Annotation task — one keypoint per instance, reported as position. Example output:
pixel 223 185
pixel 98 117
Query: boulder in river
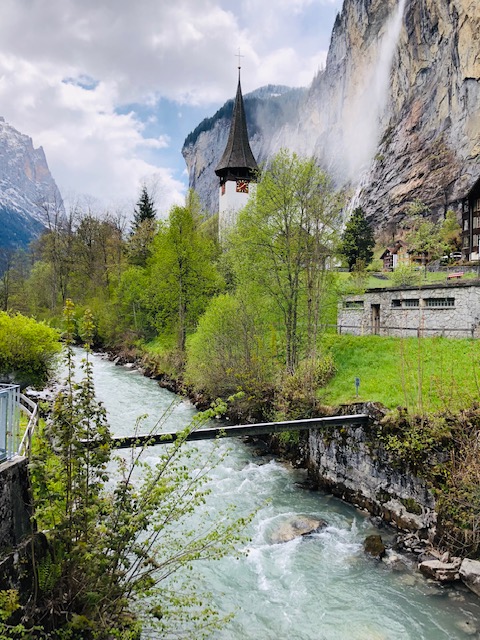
pixel 296 527
pixel 373 546
pixel 441 571
pixel 470 574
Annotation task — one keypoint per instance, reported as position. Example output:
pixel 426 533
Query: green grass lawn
pixel 374 282
pixel 421 374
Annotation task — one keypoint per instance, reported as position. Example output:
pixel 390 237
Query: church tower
pixel 237 168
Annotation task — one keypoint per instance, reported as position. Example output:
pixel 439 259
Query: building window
pixel 475 241
pixel 407 303
pixel 465 224
pixel 353 304
pixel 476 222
pixel 439 303
pixel 476 206
pixel 466 242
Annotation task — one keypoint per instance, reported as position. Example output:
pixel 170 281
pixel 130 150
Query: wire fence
pixel 419 331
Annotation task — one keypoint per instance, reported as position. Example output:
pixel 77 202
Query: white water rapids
pixel 317 588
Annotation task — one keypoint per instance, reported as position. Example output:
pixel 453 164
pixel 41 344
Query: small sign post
pixel 357 384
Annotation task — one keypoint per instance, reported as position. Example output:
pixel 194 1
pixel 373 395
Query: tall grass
pixel 422 375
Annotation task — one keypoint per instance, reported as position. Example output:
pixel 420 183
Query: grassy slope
pixel 427 374
pixel 373 282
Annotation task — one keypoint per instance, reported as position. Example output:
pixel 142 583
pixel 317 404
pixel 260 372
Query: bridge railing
pixel 30 409
pixel 9 420
pixel 12 404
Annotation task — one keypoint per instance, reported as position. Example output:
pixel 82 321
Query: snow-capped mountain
pixel 28 193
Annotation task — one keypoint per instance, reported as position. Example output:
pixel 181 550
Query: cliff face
pixel 430 146
pixel 27 189
pixel 395 115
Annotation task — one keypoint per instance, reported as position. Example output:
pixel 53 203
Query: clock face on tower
pixel 242 186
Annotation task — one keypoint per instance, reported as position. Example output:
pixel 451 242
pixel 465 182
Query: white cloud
pixel 70 68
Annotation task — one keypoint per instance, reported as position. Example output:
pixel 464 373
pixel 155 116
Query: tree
pixel 144 210
pixel 144 227
pixel 228 353
pixel 183 276
pixel 55 247
pixel 451 231
pixel 282 243
pixel 424 236
pixel 357 239
pixel 97 255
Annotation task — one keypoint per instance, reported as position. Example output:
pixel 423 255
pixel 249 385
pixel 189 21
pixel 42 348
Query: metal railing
pixel 30 409
pixel 9 420
pixel 12 404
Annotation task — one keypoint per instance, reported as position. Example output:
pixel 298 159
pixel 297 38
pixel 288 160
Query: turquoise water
pixel 321 587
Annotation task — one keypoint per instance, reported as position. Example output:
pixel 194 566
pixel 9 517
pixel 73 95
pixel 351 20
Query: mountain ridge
pixel 28 192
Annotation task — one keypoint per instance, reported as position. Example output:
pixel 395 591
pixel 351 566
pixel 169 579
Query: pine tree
pixel 144 209
pixel 357 239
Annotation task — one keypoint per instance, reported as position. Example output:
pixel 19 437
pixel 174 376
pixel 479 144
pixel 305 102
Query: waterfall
pixel 363 123
pixel 363 126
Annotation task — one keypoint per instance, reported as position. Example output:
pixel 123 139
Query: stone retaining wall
pixel 349 463
pixel 15 504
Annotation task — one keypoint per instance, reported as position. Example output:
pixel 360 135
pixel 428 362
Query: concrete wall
pixel 349 463
pixel 458 317
pixel 15 504
pixel 230 204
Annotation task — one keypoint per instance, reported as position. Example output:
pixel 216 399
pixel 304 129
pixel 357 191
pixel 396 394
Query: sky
pixel 111 88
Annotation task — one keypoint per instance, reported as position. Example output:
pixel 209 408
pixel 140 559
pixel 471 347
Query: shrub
pixel 406 275
pixel 297 395
pixel 28 350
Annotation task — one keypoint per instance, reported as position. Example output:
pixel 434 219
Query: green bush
pixel 297 393
pixel 406 275
pixel 28 350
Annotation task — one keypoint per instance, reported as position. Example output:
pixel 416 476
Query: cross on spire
pixel 239 55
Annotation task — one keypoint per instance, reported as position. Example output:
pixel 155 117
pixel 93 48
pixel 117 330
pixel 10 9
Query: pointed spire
pixel 237 159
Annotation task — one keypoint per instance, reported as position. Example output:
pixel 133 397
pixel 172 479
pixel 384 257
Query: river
pixel 318 588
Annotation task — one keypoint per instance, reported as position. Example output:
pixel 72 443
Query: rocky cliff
pixel 27 190
pixel 395 115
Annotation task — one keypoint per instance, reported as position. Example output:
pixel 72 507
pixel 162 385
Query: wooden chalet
pixel 471 223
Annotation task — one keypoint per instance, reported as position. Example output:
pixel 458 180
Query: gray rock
pixel 467 627
pixel 470 574
pixel 27 189
pixel 296 527
pixel 441 571
pixel 373 546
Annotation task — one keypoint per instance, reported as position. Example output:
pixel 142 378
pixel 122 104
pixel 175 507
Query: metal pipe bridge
pixel 260 429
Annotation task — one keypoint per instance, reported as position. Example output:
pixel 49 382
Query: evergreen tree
pixel 357 239
pixel 144 209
